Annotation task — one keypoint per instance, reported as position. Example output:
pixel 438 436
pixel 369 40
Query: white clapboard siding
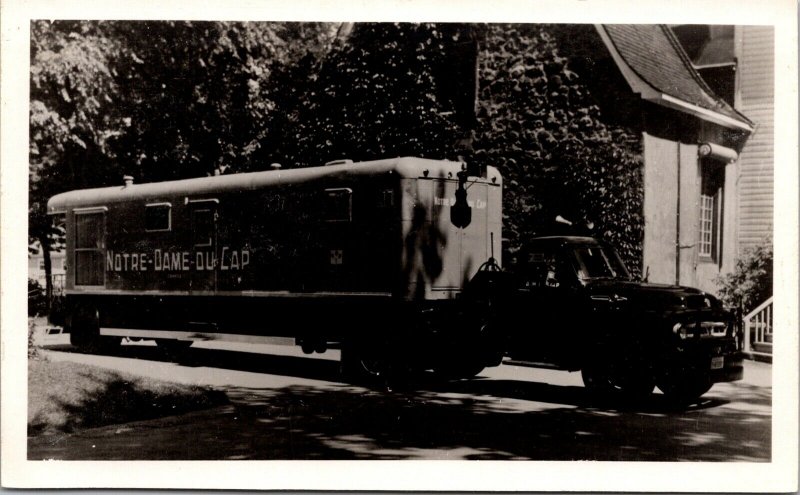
pixel 756 100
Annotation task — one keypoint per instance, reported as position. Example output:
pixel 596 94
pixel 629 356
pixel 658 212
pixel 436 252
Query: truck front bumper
pixel 732 369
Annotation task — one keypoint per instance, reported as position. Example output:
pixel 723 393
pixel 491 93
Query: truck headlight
pixel 680 331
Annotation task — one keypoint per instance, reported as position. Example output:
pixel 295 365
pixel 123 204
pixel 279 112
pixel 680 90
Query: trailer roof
pixel 563 239
pixel 406 167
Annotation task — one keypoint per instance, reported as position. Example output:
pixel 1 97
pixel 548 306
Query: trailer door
pixel 204 214
pixel 90 246
pixel 461 250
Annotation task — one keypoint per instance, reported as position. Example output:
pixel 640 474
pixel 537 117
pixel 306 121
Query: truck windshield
pixel 596 262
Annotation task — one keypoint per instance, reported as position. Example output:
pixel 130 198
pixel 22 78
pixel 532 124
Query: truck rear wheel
pixel 363 364
pixel 458 369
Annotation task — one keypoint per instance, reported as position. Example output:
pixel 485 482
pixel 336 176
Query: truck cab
pixel 572 304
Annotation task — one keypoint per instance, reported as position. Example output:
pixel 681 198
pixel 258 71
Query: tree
pixel 72 118
pixel 201 93
pixel 375 95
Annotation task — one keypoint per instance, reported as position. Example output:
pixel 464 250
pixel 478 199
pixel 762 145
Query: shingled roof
pixel 657 66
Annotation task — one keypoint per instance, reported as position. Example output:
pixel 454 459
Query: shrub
pixel 750 283
pixel 33 351
pixel 37 301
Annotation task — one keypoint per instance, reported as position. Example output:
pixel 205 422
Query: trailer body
pixel 320 254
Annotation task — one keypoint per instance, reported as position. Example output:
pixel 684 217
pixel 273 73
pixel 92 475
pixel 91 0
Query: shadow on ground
pixel 301 367
pixel 477 419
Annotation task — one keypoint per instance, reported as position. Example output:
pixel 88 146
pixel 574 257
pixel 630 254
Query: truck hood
pixel 650 296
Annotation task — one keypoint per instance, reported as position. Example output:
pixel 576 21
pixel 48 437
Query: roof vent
pixel 128 180
pixel 339 162
pixel 275 166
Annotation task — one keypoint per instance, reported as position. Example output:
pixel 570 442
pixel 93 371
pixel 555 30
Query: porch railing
pixel 758 329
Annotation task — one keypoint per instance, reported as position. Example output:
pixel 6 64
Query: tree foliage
pixel 377 95
pixel 200 95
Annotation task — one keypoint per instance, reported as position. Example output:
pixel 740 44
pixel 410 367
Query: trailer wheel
pixel 173 348
pixel 84 330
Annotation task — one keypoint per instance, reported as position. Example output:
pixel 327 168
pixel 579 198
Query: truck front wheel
pixel 603 381
pixel 683 389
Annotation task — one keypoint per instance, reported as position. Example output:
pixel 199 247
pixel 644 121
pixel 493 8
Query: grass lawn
pixel 65 397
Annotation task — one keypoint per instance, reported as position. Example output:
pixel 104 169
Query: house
pixel 738 63
pixel 691 142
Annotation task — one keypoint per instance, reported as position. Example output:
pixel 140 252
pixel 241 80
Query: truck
pixel 397 262
pixel 570 303
pixel 371 257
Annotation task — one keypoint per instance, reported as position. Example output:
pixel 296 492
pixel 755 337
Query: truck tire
pixel 604 382
pixel 361 364
pixel 684 390
pixel 458 369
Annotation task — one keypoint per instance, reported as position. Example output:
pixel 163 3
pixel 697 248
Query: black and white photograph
pixel 564 242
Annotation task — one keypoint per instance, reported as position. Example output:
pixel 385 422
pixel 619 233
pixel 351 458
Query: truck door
pixel 547 306
pixel 204 215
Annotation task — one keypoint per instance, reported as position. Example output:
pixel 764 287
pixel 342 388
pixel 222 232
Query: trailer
pixel 373 257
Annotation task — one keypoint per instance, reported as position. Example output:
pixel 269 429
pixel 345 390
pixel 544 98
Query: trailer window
pixel 158 217
pixel 338 205
pixel 89 247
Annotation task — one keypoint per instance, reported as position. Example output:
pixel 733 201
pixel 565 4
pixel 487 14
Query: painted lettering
pixel 211 260
pixel 222 265
pixel 176 260
pixel 228 259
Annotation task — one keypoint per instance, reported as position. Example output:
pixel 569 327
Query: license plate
pixel 717 362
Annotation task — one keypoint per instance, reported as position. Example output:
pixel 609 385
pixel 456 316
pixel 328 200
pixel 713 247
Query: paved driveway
pixel 286 405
